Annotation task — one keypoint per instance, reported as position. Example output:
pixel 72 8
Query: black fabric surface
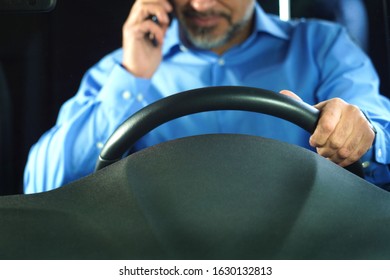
pixel 6 137
pixel 204 197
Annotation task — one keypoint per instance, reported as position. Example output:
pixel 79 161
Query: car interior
pixel 43 56
pixel 44 52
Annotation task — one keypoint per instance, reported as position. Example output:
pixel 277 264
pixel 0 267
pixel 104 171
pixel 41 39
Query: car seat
pixel 6 160
pixel 352 14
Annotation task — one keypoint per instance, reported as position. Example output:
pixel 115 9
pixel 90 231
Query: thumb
pixel 291 94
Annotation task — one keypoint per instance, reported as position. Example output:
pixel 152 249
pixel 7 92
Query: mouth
pixel 205 20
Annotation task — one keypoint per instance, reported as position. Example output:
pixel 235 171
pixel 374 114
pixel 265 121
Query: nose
pixel 203 5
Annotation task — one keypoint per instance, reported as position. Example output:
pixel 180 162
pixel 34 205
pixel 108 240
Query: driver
pixel 216 43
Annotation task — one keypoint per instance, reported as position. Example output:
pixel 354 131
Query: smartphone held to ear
pixel 150 36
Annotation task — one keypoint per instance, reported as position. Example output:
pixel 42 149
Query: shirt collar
pixel 270 24
pixel 263 24
pixel 172 40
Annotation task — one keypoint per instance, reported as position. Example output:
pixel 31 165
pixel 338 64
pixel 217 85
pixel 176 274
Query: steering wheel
pixel 208 99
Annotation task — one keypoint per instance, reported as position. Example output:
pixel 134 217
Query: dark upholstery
pixel 351 14
pixel 204 197
pixel 6 143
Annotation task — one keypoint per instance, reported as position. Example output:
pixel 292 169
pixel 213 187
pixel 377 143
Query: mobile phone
pixel 155 20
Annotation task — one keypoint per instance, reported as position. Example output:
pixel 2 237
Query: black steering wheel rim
pixel 202 100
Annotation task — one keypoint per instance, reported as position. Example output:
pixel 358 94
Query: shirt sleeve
pixel 347 73
pixel 84 124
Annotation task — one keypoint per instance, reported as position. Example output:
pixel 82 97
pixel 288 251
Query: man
pixel 221 42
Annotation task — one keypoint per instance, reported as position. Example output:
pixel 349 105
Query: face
pixel 215 24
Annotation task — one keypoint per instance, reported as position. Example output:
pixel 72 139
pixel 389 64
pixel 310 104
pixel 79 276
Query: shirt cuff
pixel 375 162
pixel 381 155
pixel 122 89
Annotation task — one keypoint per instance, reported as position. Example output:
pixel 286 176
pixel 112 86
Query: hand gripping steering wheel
pixel 208 99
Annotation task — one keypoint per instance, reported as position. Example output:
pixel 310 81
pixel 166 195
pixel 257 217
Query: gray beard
pixel 203 38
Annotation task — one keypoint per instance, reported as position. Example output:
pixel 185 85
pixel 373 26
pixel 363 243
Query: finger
pixel 355 155
pixel 165 3
pixel 140 24
pixel 145 28
pixel 349 152
pixel 358 144
pixel 161 15
pixel 142 11
pixel 326 152
pixel 152 30
pixel 291 94
pixel 351 139
pixel 329 118
pixel 344 134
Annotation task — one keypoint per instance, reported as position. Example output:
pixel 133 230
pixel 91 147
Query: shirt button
pixel 379 154
pixel 183 48
pixel 221 61
pixel 126 95
pixel 99 145
pixel 140 97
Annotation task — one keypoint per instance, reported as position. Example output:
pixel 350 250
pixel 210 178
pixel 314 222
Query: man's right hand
pixel 140 56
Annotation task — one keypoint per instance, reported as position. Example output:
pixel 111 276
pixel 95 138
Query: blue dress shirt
pixel 315 59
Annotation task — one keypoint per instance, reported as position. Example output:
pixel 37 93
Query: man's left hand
pixel 343 134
